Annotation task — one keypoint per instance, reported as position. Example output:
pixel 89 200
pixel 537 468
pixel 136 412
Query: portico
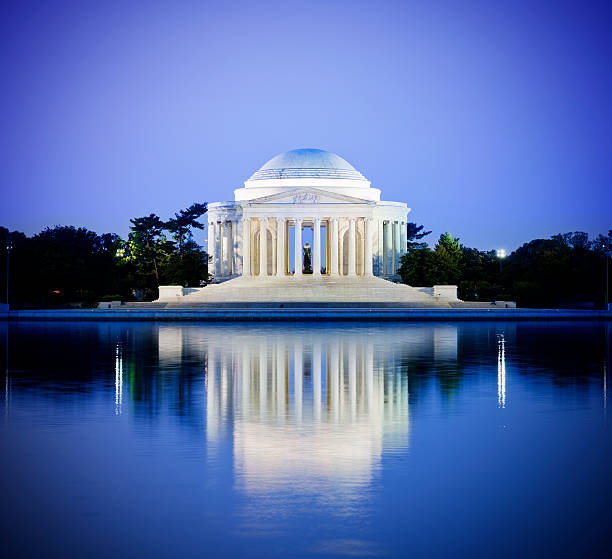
pixel 349 242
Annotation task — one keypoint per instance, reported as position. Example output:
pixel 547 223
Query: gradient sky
pixel 491 120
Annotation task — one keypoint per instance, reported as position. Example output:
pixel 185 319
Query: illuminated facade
pixel 256 242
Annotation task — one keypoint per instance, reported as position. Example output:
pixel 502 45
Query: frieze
pixel 306 198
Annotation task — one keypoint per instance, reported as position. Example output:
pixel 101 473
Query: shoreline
pixel 303 313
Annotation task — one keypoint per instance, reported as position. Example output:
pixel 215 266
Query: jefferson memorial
pixel 259 249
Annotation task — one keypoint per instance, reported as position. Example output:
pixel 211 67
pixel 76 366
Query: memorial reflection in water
pixel 288 440
pixel 320 403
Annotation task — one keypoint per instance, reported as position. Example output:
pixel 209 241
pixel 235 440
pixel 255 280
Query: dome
pixel 307 164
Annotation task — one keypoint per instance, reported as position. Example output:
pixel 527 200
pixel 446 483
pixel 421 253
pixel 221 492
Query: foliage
pixel 146 247
pixel 64 264
pixel 181 225
pixel 159 261
pixel 565 270
pixel 441 266
pixel 414 234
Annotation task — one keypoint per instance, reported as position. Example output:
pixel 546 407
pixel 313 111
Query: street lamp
pixel 9 246
pixel 501 254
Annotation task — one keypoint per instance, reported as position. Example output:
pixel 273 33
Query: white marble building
pixel 257 242
pixel 354 233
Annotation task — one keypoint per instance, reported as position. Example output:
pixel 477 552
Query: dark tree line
pixel 65 264
pixel 565 270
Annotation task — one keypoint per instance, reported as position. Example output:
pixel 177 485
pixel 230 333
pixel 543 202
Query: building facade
pixel 261 233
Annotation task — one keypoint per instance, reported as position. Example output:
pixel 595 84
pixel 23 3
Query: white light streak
pixel 501 371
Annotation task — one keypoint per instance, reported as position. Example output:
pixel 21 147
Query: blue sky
pixel 491 120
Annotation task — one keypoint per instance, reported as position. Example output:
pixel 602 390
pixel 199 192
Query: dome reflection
pixel 323 405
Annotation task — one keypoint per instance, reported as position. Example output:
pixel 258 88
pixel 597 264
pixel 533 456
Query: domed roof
pixel 307 164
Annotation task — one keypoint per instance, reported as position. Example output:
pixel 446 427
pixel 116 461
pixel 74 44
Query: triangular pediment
pixel 308 195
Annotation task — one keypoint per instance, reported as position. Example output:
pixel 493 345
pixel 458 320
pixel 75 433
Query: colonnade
pixel 366 246
pixel 335 382
pixel 221 238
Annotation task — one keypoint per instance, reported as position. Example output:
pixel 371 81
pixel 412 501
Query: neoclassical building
pixel 354 233
pixel 307 227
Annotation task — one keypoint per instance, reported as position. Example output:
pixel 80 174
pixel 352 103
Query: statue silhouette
pixel 307 259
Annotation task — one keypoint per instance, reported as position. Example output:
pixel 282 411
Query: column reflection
pixel 320 405
pixel 316 404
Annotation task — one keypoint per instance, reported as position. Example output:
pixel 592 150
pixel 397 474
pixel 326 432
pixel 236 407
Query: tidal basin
pixel 276 440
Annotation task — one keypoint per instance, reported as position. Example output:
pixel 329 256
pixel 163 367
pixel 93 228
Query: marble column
pixel 396 242
pixel 334 246
pixel 246 246
pixel 403 238
pixel 298 247
pixel 273 255
pixel 229 240
pixel 351 249
pixel 280 247
pixel 263 246
pixel 212 238
pixel 221 255
pixel 316 247
pixel 367 265
pixel 387 261
pixel 379 248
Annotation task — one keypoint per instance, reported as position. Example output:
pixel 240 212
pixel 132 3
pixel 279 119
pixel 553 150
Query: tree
pixel 189 269
pixel 146 246
pixel 181 225
pixel 417 265
pixel 441 266
pixel 448 254
pixel 187 262
pixel 63 264
pixel 415 233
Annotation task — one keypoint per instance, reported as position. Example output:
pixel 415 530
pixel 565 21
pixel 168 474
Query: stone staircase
pixel 308 289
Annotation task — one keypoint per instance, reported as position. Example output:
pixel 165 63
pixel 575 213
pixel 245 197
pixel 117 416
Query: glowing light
pixel 501 253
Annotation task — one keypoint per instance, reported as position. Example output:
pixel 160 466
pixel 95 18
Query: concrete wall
pixel 170 292
pixel 445 291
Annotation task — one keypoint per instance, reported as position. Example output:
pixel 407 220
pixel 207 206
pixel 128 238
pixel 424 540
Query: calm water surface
pixel 258 440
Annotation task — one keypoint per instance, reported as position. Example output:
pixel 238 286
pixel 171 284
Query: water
pixel 265 440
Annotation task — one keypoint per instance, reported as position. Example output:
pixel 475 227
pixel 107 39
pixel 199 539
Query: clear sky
pixel 491 120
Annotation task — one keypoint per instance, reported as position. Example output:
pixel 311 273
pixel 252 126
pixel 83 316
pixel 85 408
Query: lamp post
pixel 501 254
pixel 9 246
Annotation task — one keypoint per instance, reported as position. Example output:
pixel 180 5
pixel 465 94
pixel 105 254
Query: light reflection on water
pixel 285 440
pixel 309 407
